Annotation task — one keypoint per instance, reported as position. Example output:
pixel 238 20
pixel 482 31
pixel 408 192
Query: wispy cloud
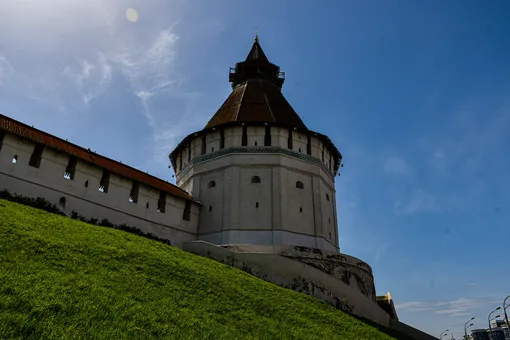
pixel 458 307
pixel 156 81
pixel 6 70
pixel 92 78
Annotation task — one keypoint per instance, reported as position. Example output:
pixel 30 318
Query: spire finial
pixel 256 35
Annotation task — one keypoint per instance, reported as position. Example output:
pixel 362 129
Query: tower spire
pixel 256 35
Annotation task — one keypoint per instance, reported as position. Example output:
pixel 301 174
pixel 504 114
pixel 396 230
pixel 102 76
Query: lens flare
pixel 132 14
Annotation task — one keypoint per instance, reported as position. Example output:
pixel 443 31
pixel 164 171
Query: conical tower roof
pixel 256 52
pixel 256 96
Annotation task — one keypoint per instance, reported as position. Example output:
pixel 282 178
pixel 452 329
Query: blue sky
pixel 414 94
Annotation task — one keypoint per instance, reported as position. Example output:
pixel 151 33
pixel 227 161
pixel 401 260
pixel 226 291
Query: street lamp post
pixel 466 327
pixel 504 310
pixel 489 319
pixel 443 334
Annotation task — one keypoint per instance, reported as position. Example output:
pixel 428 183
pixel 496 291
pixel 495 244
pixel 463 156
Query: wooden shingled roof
pixel 256 100
pixel 22 130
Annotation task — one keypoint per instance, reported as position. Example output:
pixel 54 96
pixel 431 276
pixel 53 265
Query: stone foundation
pixel 304 270
pixel 351 271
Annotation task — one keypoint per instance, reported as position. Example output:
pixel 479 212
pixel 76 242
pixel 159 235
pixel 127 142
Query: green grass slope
pixel 65 279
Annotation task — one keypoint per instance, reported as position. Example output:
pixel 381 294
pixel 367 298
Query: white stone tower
pixel 264 179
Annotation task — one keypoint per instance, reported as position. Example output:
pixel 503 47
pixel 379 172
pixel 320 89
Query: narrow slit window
pixel 255 143
pixel 203 145
pixel 323 154
pixel 86 183
pixel 162 202
pixel 147 205
pixel 2 136
pixel 327 197
pixel 105 181
pixel 211 184
pixel 180 161
pixel 210 208
pixel 15 159
pixel 255 179
pixel 244 141
pixel 309 146
pixel 70 168
pixel 133 194
pixel 267 136
pixel 189 152
pixel 35 159
pixel 212 149
pixel 256 204
pixel 289 140
pixel 329 163
pixel 186 214
pixel 299 149
pixel 300 209
pixel 222 140
pixel 300 185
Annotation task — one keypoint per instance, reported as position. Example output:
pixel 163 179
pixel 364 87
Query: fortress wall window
pixel 309 146
pixel 2 136
pixel 133 194
pixel 70 168
pixel 222 140
pixel 186 214
pixel 289 140
pixel 35 159
pixel 203 145
pixel 105 181
pixel 162 202
pixel 244 141
pixel 300 185
pixel 211 184
pixel 267 136
pixel 255 179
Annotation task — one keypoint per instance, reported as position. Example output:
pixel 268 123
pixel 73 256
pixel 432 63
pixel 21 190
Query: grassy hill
pixel 64 279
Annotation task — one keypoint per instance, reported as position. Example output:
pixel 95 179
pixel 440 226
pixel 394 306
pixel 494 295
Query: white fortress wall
pixel 82 194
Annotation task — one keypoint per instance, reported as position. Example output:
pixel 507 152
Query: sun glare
pixel 132 14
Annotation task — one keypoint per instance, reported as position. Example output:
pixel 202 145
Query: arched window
pixel 300 185
pixel 255 143
pixel 255 179
pixel 15 159
pixel 327 197
pixel 86 183
pixel 211 184
pixel 62 203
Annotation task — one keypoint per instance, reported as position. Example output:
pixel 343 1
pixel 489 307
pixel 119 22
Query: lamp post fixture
pixel 466 327
pixel 505 306
pixel 489 319
pixel 443 334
